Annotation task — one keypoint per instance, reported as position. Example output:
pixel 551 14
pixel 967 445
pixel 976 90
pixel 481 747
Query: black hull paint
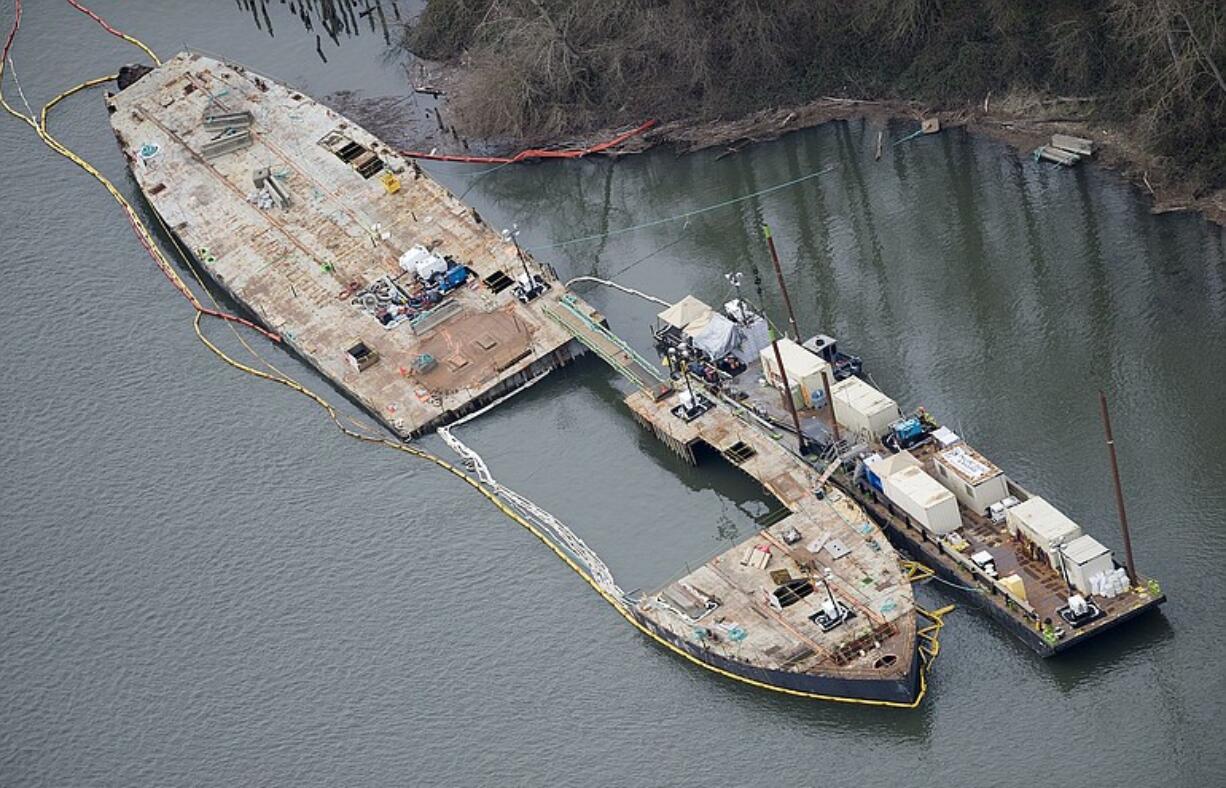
pixel 904 690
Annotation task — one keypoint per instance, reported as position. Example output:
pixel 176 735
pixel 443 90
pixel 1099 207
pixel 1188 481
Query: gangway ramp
pixel 575 320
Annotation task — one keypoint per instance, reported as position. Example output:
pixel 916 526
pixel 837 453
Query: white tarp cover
pixel 714 334
pixel 423 262
pixel 684 312
pixel 739 311
pixel 945 436
pixel 754 339
pixel 696 326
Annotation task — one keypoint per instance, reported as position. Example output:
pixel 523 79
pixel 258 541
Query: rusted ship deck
pixel 721 611
pixel 322 232
pixel 305 265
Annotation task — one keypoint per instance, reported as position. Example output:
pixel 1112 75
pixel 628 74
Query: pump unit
pixel 906 433
pixel 453 278
pixel 1079 611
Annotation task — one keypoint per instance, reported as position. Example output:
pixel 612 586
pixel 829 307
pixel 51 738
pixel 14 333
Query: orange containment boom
pixel 534 153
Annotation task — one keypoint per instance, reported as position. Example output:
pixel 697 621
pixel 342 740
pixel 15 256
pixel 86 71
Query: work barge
pixel 322 232
pixel 952 511
pixel 408 302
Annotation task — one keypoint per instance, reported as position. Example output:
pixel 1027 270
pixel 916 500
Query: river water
pixel 202 582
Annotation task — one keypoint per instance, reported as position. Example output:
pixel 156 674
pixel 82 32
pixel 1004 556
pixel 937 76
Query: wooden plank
pixel 1078 145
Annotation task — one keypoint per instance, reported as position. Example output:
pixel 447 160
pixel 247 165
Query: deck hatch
pixel 739 452
pixel 369 167
pixel 498 281
pixel 349 152
pixel 837 549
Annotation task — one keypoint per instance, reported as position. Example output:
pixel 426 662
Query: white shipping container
pixel 1085 557
pixel 862 409
pixel 1043 524
pixel 804 369
pixel 971 477
pixel 923 499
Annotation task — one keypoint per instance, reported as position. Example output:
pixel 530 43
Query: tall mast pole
pixel 770 242
pixel 834 423
pixel 1119 491
pixel 787 390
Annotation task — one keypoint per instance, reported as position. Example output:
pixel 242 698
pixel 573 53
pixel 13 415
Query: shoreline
pixel 1021 122
pixel 1022 133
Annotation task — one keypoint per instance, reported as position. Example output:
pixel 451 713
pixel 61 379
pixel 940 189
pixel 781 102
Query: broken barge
pixel 408 302
pixel 828 601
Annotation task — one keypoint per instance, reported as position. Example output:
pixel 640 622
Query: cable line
pixel 689 214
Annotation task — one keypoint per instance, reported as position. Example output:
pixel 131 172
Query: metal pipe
pixel 684 365
pixel 680 363
pixel 512 235
pixel 1119 490
pixel 787 301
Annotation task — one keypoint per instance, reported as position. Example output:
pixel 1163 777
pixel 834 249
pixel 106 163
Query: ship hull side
pixel 911 543
pixel 904 690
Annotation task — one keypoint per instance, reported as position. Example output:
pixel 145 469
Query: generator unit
pixel 844 365
pixel 454 277
pixel 906 433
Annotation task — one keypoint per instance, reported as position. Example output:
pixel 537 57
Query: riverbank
pixel 1147 86
pixel 1023 121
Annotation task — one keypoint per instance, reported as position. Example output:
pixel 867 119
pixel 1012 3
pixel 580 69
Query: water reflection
pixel 1088 664
pixel 999 293
pixel 331 18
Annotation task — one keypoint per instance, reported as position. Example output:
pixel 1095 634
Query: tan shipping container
pixel 971 477
pixel 804 370
pixel 1044 525
pixel 862 409
pixel 923 499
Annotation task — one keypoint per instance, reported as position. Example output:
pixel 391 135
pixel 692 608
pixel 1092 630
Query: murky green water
pixel 201 582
